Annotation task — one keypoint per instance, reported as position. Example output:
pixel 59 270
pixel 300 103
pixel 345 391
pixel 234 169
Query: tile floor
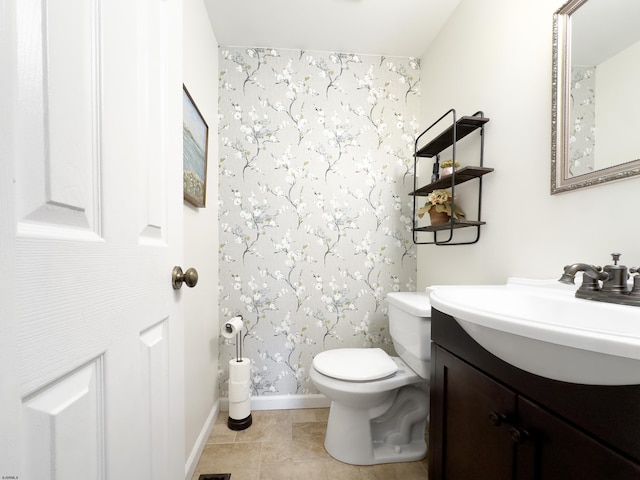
pixel 288 445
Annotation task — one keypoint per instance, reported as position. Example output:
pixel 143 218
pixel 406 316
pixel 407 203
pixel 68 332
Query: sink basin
pixel 540 327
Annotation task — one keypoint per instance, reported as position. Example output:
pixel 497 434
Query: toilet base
pixel 365 437
pixel 411 452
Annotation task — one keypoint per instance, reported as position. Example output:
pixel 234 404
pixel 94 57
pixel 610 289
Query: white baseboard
pixel 196 451
pixel 283 402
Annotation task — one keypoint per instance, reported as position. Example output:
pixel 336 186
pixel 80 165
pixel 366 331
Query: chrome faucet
pixel 590 278
pixel 613 288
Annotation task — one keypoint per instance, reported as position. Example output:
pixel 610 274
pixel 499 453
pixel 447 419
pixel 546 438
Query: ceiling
pixel 379 27
pixel 600 30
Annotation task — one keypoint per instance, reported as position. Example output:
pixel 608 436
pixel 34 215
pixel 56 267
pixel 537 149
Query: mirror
pixel 596 74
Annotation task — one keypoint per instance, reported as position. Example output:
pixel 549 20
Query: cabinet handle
pixel 519 436
pixel 497 418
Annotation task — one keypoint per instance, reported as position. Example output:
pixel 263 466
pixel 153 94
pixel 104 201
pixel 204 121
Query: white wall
pixel 201 239
pixel 495 56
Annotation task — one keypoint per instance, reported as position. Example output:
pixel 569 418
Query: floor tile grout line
pixel 260 461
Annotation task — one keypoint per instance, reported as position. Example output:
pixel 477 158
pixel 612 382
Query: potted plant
pixel 439 206
pixel 447 167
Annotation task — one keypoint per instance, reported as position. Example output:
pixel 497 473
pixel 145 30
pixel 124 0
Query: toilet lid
pixel 355 364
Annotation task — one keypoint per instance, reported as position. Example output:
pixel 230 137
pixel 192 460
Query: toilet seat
pixel 355 364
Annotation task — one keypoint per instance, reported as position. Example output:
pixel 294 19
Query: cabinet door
pixel 470 431
pixel 555 450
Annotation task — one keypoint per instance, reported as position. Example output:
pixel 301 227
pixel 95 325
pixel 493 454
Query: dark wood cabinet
pixel 490 420
pixel 473 421
pixel 555 450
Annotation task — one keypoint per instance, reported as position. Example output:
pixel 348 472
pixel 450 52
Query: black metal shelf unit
pixel 458 129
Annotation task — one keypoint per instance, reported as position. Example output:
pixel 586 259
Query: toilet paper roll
pixel 232 327
pixel 239 410
pixel 238 391
pixel 239 371
pixel 239 388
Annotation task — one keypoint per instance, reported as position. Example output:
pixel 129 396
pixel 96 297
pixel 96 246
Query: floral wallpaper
pixel 315 167
pixel 583 120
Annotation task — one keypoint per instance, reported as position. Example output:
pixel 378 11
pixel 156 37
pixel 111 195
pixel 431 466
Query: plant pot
pixel 438 218
pixel 447 171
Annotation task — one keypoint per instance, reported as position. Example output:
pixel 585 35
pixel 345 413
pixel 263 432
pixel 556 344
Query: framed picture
pixel 195 133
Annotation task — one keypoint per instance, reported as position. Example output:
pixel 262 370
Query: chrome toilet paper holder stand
pixel 229 329
pixel 239 408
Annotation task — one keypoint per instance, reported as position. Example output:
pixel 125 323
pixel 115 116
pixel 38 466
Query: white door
pixel 91 342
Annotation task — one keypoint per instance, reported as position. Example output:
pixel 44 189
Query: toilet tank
pixel 410 328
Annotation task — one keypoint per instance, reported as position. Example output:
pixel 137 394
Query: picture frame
pixel 195 150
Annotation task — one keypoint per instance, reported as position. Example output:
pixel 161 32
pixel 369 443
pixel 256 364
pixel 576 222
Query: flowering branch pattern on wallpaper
pixel 583 120
pixel 315 224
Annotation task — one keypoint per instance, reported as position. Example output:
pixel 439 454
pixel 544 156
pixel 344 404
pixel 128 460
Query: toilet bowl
pixel 380 403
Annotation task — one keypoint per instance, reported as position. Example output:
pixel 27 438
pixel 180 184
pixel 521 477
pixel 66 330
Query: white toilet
pixel 379 403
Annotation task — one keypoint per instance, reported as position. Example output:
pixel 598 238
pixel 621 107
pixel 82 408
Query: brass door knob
pixel 178 277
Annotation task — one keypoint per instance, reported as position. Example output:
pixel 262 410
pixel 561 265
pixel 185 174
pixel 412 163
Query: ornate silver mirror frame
pixel 562 179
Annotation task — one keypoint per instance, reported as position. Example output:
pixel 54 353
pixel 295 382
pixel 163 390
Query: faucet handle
pixel 618 274
pixel 635 290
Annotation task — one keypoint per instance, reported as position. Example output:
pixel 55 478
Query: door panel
pixel 151 65
pixel 63 425
pixel 154 354
pixel 57 177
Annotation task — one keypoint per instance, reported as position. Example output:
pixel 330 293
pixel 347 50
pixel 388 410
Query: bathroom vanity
pixel 493 421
